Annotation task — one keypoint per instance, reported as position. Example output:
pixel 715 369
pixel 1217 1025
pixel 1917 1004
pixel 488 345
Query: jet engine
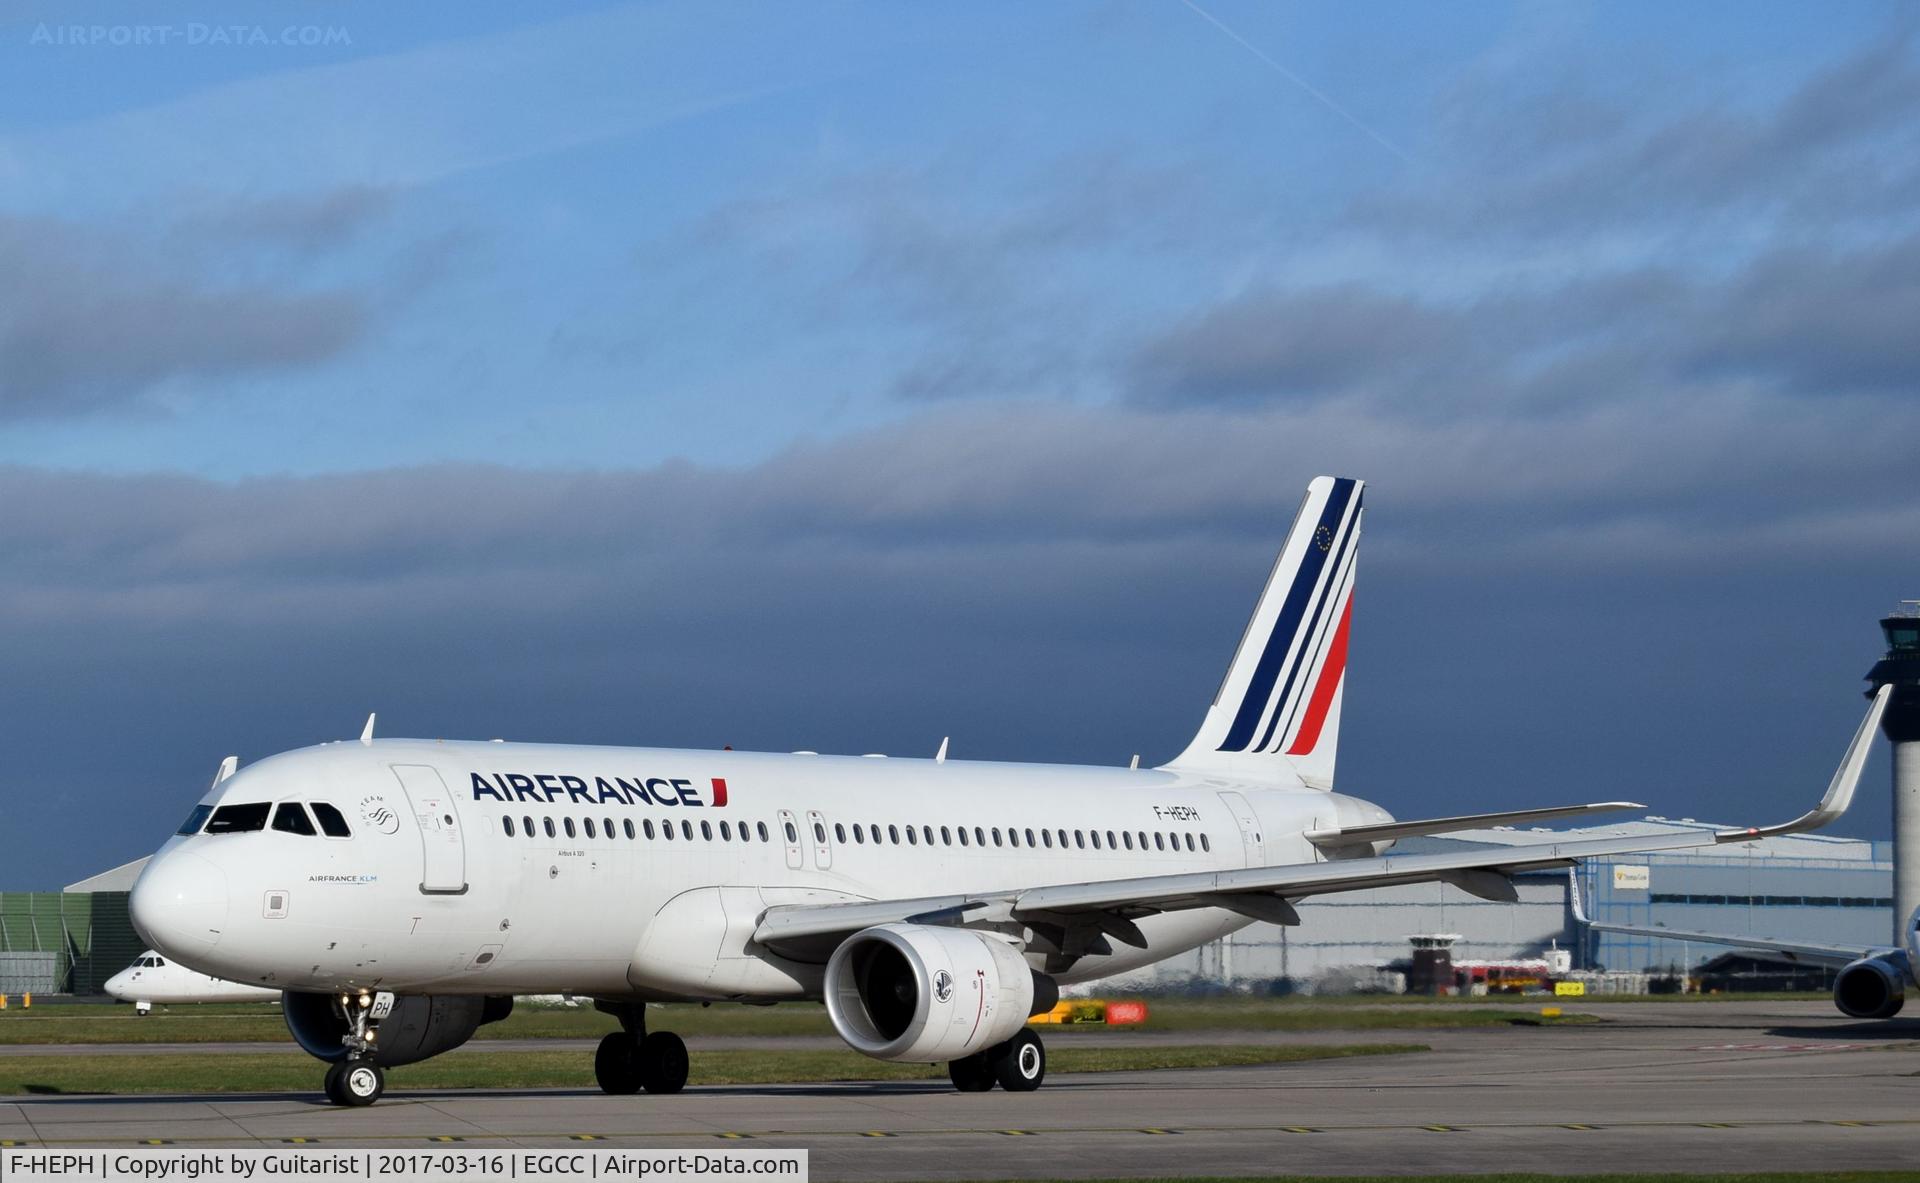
pixel 1873 987
pixel 919 992
pixel 418 1027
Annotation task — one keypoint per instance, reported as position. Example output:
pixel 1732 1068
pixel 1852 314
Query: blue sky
pixel 842 376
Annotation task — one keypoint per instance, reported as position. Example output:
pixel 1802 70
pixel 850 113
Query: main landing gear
pixel 630 1059
pixel 1018 1066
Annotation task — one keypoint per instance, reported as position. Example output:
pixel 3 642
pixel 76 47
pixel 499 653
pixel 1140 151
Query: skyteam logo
pixel 376 813
pixel 546 787
pixel 1291 688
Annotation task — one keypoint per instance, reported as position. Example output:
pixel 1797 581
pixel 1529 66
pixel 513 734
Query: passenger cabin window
pixel 507 824
pixel 628 823
pixel 686 830
pixel 290 818
pixel 590 828
pixel 239 819
pixel 1204 844
pixel 195 820
pixel 546 823
pixel 762 828
pixel 527 824
pixel 568 823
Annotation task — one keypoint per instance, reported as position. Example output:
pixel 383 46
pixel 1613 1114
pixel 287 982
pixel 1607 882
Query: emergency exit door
pixel 443 850
pixel 1249 824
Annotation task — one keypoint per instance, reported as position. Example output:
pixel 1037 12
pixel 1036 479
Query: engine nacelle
pixel 1873 987
pixel 419 1026
pixel 920 992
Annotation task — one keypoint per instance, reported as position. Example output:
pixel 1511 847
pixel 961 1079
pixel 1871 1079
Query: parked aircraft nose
pixel 120 985
pixel 179 905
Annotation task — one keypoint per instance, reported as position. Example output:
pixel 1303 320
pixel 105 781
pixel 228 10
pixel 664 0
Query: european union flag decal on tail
pixel 1277 715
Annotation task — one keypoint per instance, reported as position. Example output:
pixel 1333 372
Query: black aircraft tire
pixel 361 1082
pixel 616 1064
pixel 333 1084
pixel 1020 1063
pixel 663 1063
pixel 973 1074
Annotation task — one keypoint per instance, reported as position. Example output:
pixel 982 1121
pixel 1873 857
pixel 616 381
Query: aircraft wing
pixel 1109 907
pixel 1834 955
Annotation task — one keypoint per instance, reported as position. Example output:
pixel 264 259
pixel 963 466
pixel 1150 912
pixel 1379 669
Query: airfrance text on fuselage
pixel 546 787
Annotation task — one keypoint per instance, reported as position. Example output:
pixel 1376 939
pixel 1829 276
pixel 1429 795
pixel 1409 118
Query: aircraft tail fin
pixel 1277 715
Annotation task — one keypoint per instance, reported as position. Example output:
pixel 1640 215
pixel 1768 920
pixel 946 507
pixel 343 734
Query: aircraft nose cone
pixel 179 905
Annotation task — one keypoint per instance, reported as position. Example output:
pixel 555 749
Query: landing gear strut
pixel 630 1059
pixel 357 1080
pixel 1018 1066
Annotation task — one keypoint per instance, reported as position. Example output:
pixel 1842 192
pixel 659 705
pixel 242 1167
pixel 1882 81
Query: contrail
pixel 1302 83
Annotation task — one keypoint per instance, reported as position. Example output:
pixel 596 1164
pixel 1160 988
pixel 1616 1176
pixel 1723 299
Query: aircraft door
pixel 822 845
pixel 443 850
pixel 790 834
pixel 1249 823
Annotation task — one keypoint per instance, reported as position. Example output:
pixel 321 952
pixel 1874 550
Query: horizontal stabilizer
pixel 1389 831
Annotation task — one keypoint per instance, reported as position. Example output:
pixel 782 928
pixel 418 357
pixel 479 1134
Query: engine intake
pixel 919 992
pixel 1872 987
pixel 420 1025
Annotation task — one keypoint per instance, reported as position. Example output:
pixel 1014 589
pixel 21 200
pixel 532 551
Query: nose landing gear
pixel 630 1059
pixel 355 1082
pixel 358 1080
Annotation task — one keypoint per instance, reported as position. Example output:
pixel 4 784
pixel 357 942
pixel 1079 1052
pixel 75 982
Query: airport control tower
pixel 1901 667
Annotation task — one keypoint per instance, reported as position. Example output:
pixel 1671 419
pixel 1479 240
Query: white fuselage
pixel 440 888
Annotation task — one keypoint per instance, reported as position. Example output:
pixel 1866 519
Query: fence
pixel 80 939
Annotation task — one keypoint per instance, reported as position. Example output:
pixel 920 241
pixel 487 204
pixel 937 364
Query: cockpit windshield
pixel 331 823
pixel 239 819
pixel 292 819
pixel 195 820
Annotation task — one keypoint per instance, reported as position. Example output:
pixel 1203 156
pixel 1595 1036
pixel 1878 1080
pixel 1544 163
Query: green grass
pixel 260 1022
pixel 268 1072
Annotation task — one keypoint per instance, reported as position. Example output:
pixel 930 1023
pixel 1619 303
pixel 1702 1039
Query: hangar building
pixel 1809 886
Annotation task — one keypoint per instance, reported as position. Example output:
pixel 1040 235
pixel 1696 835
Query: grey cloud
pixel 92 325
pixel 1270 345
pixel 1798 320
pixel 302 221
pixel 1530 155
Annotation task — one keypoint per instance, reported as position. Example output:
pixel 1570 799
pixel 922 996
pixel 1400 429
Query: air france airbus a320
pixel 401 892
